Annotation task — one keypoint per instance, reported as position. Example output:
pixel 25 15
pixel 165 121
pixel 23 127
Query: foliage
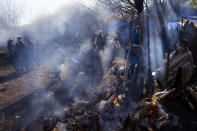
pixel 10 17
pixel 120 7
pixel 193 3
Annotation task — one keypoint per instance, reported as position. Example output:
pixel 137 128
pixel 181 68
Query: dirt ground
pixel 15 89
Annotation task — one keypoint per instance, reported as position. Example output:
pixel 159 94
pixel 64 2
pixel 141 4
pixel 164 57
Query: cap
pixel 9 41
pixel 183 42
pixel 19 38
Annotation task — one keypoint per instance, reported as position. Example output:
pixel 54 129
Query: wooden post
pixel 97 123
pixel 167 70
pixel 149 63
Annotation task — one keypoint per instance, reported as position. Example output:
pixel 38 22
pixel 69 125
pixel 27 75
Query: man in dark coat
pixel 10 47
pixel 135 56
pixel 180 63
pixel 19 54
pixel 32 54
pixel 137 67
pixel 100 42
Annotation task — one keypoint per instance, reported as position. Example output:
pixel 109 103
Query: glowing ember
pixel 116 102
pixel 154 100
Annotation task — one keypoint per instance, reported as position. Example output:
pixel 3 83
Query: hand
pixel 143 65
pixel 176 69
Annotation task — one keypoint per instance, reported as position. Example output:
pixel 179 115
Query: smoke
pixel 161 37
pixel 108 53
pixel 16 14
pixel 67 31
pixel 71 28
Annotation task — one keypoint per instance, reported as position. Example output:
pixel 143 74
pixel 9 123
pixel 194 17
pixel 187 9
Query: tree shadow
pixel 25 104
pixel 12 76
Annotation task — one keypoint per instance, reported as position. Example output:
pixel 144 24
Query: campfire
pixel 116 102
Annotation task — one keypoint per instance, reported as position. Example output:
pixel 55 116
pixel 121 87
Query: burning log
pixel 116 100
pixel 88 115
pixel 193 90
pixel 111 102
pixel 147 115
pixel 150 113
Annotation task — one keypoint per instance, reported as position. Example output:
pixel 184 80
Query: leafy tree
pixel 121 7
pixel 10 17
pixel 193 3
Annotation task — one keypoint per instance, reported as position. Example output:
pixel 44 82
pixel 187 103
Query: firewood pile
pixel 172 109
pixel 109 102
pixel 111 107
pixel 107 106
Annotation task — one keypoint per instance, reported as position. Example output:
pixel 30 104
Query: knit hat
pixel 184 43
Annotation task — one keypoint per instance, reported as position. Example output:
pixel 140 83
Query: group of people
pixel 132 52
pixel 180 62
pixel 23 54
pixel 108 47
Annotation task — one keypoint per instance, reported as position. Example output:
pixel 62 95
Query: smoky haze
pixel 71 30
pixel 161 36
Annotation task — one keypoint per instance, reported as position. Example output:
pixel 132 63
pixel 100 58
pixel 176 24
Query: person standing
pixel 11 49
pixel 180 63
pixel 20 54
